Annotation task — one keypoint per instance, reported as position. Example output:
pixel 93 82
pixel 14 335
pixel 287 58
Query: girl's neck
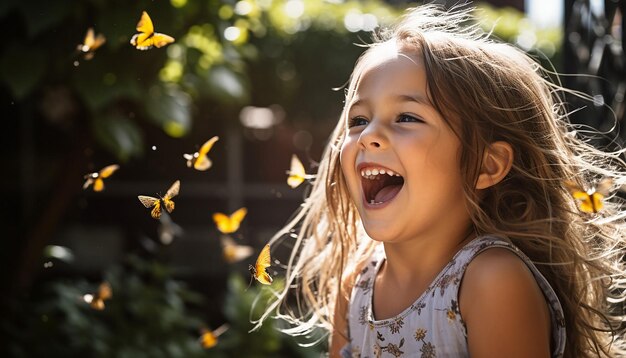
pixel 420 260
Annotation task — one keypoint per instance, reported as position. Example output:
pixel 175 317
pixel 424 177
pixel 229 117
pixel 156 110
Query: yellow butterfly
pixel 208 339
pixel 147 38
pixel 591 200
pixel 199 160
pixel 258 271
pixel 232 252
pixel 229 224
pixel 297 174
pixel 155 204
pixel 91 44
pixel 96 178
pixel 96 301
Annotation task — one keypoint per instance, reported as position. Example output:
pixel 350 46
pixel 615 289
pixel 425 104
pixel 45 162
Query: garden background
pixel 265 76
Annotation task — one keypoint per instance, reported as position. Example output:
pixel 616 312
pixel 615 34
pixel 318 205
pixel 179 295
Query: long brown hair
pixel 487 91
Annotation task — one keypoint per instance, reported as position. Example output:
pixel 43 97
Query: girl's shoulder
pixel 502 288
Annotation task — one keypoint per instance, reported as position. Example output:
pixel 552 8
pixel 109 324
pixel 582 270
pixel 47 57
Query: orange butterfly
pixel 96 178
pixel 297 174
pixel 259 271
pixel 208 339
pixel 155 203
pixel 232 252
pixel 591 200
pixel 147 38
pixel 199 160
pixel 91 43
pixel 96 301
pixel 229 224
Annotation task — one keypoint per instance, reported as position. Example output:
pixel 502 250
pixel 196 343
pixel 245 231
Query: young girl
pixel 440 223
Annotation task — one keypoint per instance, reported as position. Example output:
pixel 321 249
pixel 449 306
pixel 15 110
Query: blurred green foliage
pixel 150 314
pixel 227 54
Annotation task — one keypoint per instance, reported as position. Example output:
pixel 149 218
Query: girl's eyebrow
pixel 417 98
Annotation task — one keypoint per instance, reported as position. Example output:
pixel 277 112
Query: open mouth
pixel 380 185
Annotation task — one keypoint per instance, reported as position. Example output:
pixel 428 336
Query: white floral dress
pixel 432 326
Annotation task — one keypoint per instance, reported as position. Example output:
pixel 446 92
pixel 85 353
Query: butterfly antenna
pixel 249 284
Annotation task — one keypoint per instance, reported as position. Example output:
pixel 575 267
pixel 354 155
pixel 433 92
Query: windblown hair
pixel 486 91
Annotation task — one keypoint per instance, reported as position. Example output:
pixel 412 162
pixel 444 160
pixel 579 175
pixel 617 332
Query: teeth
pixel 374 173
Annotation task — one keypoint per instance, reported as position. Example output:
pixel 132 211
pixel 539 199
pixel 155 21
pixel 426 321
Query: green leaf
pixel 119 135
pixel 21 68
pixel 168 106
pixel 100 83
pixel 227 86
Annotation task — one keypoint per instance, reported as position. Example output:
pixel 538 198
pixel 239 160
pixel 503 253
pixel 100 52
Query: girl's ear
pixel 497 161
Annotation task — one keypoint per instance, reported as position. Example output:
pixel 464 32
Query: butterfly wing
pixel 108 171
pixel 232 252
pixel 206 147
pixel 222 222
pixel 145 24
pixel 142 40
pixel 159 40
pixel 598 201
pixel 104 291
pixel 208 339
pixel 580 195
pixel 296 172
pixel 237 217
pixel 173 190
pixel 585 203
pixel 89 40
pixel 169 205
pixel 604 186
pixel 156 211
pixel 99 41
pixel 203 162
pixel 97 304
pixel 98 184
pixel 148 201
pixel 88 182
pixel 263 262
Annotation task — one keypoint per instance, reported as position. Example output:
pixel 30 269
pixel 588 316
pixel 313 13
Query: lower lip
pixel 370 206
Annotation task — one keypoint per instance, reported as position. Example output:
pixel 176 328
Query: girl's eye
pixel 408 118
pixel 357 121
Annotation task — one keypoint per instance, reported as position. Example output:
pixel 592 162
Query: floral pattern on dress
pixel 391 348
pixel 365 285
pixel 395 326
pixel 432 325
pixel 363 315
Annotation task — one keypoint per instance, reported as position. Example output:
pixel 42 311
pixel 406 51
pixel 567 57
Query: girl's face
pixel 399 158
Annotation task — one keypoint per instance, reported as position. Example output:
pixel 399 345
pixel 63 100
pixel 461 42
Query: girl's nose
pixel 373 137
